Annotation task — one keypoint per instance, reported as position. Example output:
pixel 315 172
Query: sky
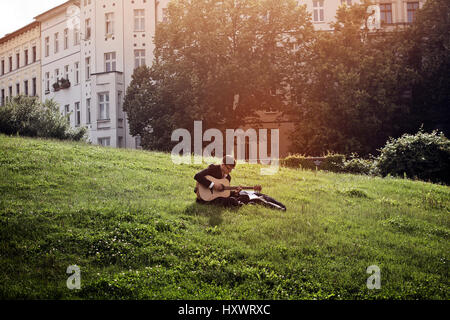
pixel 15 14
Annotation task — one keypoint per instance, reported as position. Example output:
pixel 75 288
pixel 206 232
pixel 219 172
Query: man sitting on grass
pixel 221 171
pixel 237 197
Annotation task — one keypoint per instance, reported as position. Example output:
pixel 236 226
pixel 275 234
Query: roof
pixel 13 34
pixel 56 10
pixel 38 19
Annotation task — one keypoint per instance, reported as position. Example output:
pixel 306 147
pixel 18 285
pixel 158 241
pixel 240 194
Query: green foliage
pixel 359 165
pixel 426 46
pixel 350 86
pixel 216 61
pixel 425 156
pixel 28 117
pixel 146 115
pixel 330 162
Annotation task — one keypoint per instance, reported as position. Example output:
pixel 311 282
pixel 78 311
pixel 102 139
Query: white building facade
pixel 90 50
pixel 60 62
pixel 20 63
pixel 392 12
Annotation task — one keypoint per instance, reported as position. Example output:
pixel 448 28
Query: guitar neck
pixel 243 188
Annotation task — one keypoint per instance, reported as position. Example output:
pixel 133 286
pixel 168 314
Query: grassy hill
pixel 128 219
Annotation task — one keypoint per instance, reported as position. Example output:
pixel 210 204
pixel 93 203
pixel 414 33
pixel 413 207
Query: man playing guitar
pixel 213 186
pixel 221 171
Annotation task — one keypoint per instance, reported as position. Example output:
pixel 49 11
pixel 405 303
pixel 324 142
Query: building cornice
pixel 56 10
pixel 19 32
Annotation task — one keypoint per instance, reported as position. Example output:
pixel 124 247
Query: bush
pixel 425 156
pixel 329 162
pixel 357 165
pixel 28 117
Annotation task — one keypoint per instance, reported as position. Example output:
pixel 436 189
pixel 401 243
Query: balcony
pixel 109 78
pixel 61 84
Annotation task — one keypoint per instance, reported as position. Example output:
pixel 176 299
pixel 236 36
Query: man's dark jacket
pixel 214 171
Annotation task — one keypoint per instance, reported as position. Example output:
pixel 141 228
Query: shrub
pixel 28 117
pixel 425 156
pixel 329 162
pixel 357 165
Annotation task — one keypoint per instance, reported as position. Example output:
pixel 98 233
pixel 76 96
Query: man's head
pixel 228 164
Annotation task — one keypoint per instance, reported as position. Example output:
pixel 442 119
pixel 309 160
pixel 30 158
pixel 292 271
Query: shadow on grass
pixel 213 212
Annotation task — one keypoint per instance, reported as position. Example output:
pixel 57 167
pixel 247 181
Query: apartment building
pixel 392 12
pixel 60 63
pixel 117 38
pixel 90 50
pixel 20 63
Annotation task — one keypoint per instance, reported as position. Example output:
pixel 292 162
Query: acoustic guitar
pixel 207 194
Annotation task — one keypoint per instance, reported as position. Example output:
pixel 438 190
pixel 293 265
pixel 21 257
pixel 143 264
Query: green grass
pixel 130 221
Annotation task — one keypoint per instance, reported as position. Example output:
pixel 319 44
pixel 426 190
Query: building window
pixel 139 58
pixel 66 72
pixel 412 8
pixel 3 67
pixel 105 142
pixel 139 20
pixel 109 23
pixel 18 60
pixel 76 35
pixel 66 39
pixel 47 46
pixel 10 64
pixel 318 10
pixel 77 72
pixel 110 61
pixel 87 29
pixel 47 82
pixel 57 42
pixel 77 114
pixel 103 106
pixel 119 102
pixel 67 112
pixel 26 57
pixel 34 89
pixel 386 13
pixel 56 74
pixel 17 89
pixel 88 111
pixel 25 87
pixel 2 101
pixel 88 68
pixel 34 54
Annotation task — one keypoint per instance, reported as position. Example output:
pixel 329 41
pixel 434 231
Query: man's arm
pixel 200 177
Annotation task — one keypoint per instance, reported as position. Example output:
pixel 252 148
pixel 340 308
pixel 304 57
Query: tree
pixel 216 61
pixel 427 44
pixel 350 88
pixel 147 115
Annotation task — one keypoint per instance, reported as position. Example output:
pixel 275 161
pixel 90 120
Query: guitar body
pixel 207 194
